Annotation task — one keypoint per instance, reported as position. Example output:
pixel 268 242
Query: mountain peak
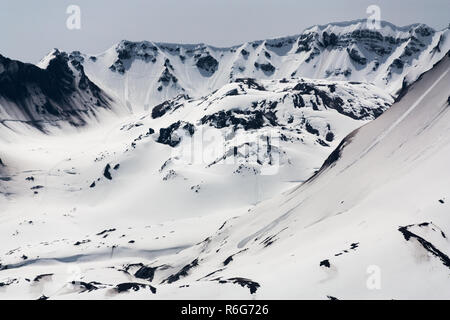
pixel 43 64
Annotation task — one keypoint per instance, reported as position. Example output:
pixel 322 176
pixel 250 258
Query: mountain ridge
pixel 146 73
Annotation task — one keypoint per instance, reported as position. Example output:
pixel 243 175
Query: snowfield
pixel 262 171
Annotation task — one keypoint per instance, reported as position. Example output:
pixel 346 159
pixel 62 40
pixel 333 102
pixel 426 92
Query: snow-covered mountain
pixel 143 74
pixel 58 93
pixel 266 170
pixel 185 163
pixel 381 232
pixel 372 223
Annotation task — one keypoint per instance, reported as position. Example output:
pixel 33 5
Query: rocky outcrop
pixel 60 92
pixel 171 135
pixel 207 65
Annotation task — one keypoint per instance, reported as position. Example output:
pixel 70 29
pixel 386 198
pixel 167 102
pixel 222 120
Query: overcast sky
pixel 30 29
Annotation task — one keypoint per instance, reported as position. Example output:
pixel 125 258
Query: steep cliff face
pixel 38 96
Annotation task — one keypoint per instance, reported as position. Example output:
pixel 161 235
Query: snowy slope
pixel 385 214
pixel 186 137
pixel 137 176
pixel 377 207
pixel 143 74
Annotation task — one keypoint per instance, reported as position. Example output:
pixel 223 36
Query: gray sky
pixel 30 29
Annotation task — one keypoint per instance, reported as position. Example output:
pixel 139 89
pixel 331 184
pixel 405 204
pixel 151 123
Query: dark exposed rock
pixel 329 137
pixel 167 77
pixel 311 129
pixel 41 276
pixel 248 120
pixel 169 105
pixel 161 109
pixel 107 173
pixel 398 63
pixel 81 242
pixel 251 83
pixel 325 263
pixel 8 282
pixel 304 43
pixel 166 135
pixel 267 68
pixel 124 287
pixel 334 156
pixel 207 64
pixel 270 239
pixel 410 50
pixel 322 143
pixel 243 282
pixel 233 92
pixel 130 126
pixel 336 102
pixel 106 231
pixel 244 52
pixel 423 31
pixel 168 65
pixel 182 273
pixel 127 50
pixel 139 138
pixel 146 273
pixel 228 260
pixel 117 66
pixel 85 286
pixel 298 101
pixel 62 97
pixel 329 39
pixel 356 56
pixel 428 246
pixel 314 53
